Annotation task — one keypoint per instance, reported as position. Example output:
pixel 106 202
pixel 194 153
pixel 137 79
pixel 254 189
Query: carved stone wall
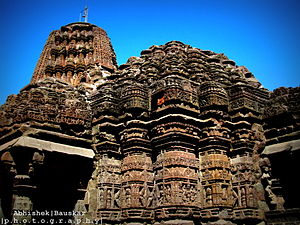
pixel 280 158
pixel 178 135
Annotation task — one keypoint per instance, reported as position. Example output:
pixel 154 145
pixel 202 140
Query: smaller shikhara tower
pixel 178 135
pixel 77 53
pixel 46 130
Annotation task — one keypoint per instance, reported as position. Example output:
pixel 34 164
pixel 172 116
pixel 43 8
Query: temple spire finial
pixel 84 15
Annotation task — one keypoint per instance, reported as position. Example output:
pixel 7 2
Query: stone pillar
pixel 246 108
pixel 22 199
pixel 7 173
pixel 137 169
pixel 214 151
pixel 272 186
pixel 103 191
pixel 22 162
pixel 175 135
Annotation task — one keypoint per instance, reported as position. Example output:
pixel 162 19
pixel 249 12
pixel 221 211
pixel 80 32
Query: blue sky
pixel 262 35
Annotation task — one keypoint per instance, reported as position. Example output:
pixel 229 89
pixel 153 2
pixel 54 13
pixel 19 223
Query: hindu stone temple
pixel 177 136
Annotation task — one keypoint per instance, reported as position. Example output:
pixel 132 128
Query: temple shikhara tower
pixel 177 136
